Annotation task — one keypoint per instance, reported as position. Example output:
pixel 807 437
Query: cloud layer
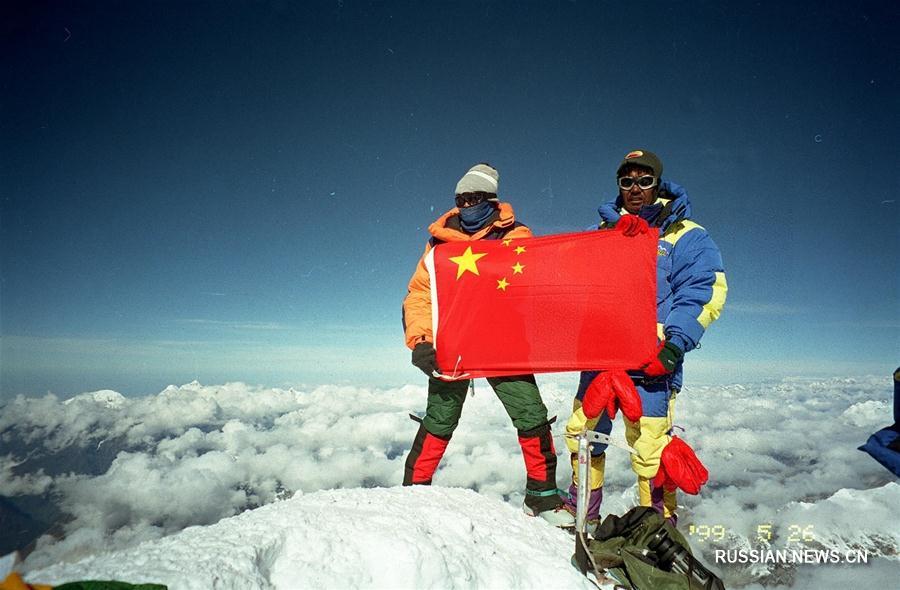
pixel 125 470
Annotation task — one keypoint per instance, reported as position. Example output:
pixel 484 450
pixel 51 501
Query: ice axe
pixel 582 559
pixel 585 439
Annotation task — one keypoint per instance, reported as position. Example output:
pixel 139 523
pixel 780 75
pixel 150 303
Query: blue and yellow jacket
pixel 690 277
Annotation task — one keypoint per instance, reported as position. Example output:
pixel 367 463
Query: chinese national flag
pixel 567 302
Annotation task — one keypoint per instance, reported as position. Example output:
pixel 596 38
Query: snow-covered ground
pixel 363 538
pixel 146 483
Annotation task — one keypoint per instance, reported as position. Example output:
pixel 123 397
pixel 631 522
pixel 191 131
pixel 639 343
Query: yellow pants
pixel 648 436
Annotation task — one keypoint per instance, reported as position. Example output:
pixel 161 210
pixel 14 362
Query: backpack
pixel 643 551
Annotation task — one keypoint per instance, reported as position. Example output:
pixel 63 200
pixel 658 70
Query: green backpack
pixel 643 551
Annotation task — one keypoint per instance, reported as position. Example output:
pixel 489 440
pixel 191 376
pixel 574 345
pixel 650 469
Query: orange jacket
pixel 417 305
pixel 15 582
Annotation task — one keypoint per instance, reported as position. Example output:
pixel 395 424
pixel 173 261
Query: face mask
pixel 650 212
pixel 473 218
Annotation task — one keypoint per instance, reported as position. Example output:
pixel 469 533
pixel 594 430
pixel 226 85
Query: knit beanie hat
pixel 481 178
pixel 643 158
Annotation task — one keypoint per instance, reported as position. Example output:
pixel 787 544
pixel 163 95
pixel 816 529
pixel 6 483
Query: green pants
pixel 519 395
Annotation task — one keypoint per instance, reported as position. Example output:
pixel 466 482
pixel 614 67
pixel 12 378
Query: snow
pixel 361 538
pixel 107 397
pixel 243 486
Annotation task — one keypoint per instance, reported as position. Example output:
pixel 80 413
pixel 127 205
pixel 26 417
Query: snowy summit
pixel 363 538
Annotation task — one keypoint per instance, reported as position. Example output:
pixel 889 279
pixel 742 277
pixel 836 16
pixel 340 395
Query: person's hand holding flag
pixel 424 358
pixel 632 225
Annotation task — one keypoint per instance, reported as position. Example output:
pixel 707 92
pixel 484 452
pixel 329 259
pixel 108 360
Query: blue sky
pixel 241 192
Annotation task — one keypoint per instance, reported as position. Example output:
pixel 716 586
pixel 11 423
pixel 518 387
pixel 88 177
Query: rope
pixel 600 577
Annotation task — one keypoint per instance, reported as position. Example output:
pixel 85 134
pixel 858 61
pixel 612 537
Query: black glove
pixel 423 357
pixel 665 360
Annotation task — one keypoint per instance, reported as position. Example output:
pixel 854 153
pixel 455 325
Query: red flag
pixel 566 302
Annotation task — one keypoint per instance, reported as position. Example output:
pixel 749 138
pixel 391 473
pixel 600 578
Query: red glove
pixel 609 391
pixel 679 467
pixel 665 360
pixel 632 225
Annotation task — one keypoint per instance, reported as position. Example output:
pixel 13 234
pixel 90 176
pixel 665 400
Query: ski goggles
pixel 469 199
pixel 644 182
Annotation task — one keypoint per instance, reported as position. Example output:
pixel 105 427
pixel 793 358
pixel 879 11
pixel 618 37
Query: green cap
pixel 642 158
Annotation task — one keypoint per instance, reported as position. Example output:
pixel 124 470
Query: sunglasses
pixel 645 182
pixel 470 199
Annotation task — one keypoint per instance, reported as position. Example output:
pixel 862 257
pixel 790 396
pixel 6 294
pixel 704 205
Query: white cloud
pixel 194 454
pixel 28 484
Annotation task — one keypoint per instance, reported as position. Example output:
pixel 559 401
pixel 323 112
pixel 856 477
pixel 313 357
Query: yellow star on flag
pixel 502 284
pixel 466 262
pixel 517 269
pixel 507 241
pixel 520 249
